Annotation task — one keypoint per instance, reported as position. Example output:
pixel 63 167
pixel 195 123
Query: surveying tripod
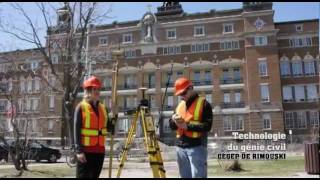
pixel 150 140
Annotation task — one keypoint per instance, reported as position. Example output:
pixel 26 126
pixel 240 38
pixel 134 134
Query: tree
pixel 18 150
pixel 64 40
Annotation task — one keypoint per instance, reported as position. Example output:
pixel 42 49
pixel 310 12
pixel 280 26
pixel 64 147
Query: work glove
pixel 111 125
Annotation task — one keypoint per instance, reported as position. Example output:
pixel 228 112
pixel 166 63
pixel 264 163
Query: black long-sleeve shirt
pixel 78 124
pixel 204 127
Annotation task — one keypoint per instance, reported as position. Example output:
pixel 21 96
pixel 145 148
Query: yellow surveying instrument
pixel 150 140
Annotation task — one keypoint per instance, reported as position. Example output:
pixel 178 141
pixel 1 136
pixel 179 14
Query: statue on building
pixel 148 21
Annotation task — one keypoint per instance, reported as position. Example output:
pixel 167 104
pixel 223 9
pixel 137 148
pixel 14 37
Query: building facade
pixel 28 97
pixel 258 75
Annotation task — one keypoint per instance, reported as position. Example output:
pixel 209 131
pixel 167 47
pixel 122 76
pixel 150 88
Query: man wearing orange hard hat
pixel 91 124
pixel 192 121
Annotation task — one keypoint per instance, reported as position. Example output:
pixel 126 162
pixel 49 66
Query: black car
pixel 38 152
pixel 3 152
pixel 34 151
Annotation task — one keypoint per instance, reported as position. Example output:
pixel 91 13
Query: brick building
pixel 259 75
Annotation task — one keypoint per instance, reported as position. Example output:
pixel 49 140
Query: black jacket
pixel 78 124
pixel 204 127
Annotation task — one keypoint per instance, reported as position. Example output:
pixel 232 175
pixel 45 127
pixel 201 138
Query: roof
pixel 297 21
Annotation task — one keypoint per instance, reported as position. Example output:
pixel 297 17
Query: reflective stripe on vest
pixel 193 116
pixel 93 131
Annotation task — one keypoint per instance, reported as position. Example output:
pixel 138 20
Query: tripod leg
pixel 153 149
pixel 162 171
pixel 128 142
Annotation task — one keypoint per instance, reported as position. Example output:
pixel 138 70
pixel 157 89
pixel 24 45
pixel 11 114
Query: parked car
pixel 38 152
pixel 35 151
pixel 3 152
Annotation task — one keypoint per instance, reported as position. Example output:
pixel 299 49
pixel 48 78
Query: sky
pixel 126 11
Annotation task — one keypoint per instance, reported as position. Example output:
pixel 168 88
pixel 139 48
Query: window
pixel 264 93
pixel 50 125
pixel 200 47
pixel 170 102
pixel 171 50
pixel 107 82
pixel 130 53
pixel 127 38
pixel 227 28
pixel 287 94
pixel 229 45
pixel 22 85
pixel 171 34
pixel 152 101
pixel 289 120
pixel 207 77
pixel 52 81
pixel 300 42
pixel 225 74
pixel 312 92
pixel 103 40
pixel 197 79
pixel 314 118
pixel 9 85
pixel 285 68
pixel 209 98
pixel 299 93
pixel 29 85
pixel 130 81
pixel 123 125
pixel 130 102
pixel 266 118
pixel 237 97
pixel 54 58
pixel 260 40
pixel 263 68
pixel 297 68
pixel 299 27
pixel 199 31
pixel 37 84
pixel 238 123
pixel 301 119
pixel 20 104
pixel 34 65
pixel 51 102
pixel 233 123
pixel 179 74
pixel 226 97
pixel 236 73
pixel 309 68
pixel 166 125
pixel 3 68
pixel 35 104
pixel 151 80
pixel 227 123
pixel 3 105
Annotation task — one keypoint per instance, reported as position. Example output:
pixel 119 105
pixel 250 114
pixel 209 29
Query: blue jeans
pixel 192 162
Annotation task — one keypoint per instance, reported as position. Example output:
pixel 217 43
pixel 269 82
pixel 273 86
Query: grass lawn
pixel 289 166
pixel 41 171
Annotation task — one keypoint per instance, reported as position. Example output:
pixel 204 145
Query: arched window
pixel 297 68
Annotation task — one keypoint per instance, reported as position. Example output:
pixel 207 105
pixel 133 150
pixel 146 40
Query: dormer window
pixel 299 27
pixel 127 38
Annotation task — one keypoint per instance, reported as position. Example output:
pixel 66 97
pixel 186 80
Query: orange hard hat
pixel 92 82
pixel 181 85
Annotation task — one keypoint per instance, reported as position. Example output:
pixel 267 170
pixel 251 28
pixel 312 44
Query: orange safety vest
pixel 93 131
pixel 192 115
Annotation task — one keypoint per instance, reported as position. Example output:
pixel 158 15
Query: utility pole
pixel 87 52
